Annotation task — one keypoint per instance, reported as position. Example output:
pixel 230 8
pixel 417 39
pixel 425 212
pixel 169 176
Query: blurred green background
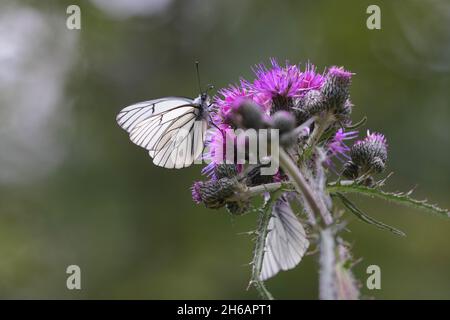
pixel 74 190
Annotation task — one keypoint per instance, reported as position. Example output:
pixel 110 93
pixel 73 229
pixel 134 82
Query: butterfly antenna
pixel 198 77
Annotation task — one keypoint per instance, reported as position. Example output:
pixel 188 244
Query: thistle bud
pixel 313 102
pixel 343 113
pixel 225 171
pixel 369 182
pixel 254 177
pixel 351 170
pixel 246 114
pixel 336 87
pixel 238 208
pixel 283 121
pixel 213 193
pixel 370 153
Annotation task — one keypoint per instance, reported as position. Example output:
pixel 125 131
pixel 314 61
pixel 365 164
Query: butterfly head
pixel 204 99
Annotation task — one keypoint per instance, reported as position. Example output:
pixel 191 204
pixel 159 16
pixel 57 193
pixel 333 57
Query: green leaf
pixel 366 218
pixel 401 198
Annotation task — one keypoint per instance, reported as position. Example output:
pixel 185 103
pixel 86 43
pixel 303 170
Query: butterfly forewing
pixel 172 129
pixel 152 133
pixel 129 117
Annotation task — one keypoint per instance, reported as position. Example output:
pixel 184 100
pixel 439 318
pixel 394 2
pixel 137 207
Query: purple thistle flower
pixel 209 169
pixel 196 196
pixel 375 137
pixel 230 98
pixel 340 73
pixel 337 148
pixel 311 79
pixel 288 81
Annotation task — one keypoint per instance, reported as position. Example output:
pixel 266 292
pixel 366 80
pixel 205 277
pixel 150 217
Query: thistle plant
pixel 301 205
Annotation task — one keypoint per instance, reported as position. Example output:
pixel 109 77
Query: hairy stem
pixel 327 260
pixel 346 285
pixel 301 185
pixel 257 190
pixel 321 125
pixel 269 187
pixel 261 234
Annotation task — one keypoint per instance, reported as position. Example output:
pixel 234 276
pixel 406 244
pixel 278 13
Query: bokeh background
pixel 74 190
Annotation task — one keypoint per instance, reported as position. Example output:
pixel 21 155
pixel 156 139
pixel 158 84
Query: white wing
pixel 183 147
pixel 169 128
pixel 286 243
pixel 129 117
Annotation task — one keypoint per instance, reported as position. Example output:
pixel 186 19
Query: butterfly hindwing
pixel 286 242
pixel 183 148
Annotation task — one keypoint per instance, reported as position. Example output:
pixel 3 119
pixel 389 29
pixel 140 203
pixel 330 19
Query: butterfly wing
pixel 183 148
pixel 131 116
pixel 169 128
pixel 286 242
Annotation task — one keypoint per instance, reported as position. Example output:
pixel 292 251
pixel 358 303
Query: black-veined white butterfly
pixel 172 129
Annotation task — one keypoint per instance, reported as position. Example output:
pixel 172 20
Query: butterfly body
pixel 202 101
pixel 172 129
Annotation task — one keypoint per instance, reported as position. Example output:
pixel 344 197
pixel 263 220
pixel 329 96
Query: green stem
pixel 257 190
pixel 300 184
pixel 320 128
pixel 327 261
pixel 261 234
pixel 269 187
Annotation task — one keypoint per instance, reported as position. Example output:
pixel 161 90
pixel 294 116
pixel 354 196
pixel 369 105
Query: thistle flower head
pixel 370 153
pixel 311 79
pixel 229 97
pixel 375 137
pixel 225 170
pixel 279 83
pixel 312 103
pixel 340 73
pixel 254 177
pixel 213 193
pixel 276 80
pixel 336 87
